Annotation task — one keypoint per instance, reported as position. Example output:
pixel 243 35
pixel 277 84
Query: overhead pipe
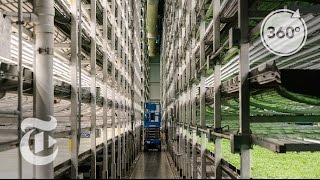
pixel 44 30
pixel 152 14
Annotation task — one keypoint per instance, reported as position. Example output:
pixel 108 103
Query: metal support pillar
pixel 244 94
pixel 124 118
pixel 128 135
pixel 75 8
pixel 188 163
pixel 44 30
pixel 189 91
pixel 119 127
pixel 183 139
pixel 193 41
pixel 34 113
pixel 193 75
pixel 202 96
pixel 113 126
pixel 176 133
pixel 105 163
pixel 119 110
pixel 217 94
pixel 194 132
pixel 113 74
pixel 20 85
pixel 180 134
pixel 131 88
pixel 79 76
pixel 203 126
pixel 217 121
pixel 123 143
pixel 93 90
pixel 216 25
pixel 127 92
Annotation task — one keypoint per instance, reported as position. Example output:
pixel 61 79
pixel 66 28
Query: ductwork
pixel 152 14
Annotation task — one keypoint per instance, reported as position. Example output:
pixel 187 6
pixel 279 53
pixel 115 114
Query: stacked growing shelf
pixel 207 95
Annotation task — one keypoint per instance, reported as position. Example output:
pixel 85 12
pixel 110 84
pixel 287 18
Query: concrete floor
pixel 152 165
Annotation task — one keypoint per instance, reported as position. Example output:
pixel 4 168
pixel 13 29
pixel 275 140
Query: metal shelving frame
pixel 92 53
pixel 191 46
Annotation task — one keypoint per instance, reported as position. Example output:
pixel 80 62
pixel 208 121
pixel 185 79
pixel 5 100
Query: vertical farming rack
pixel 219 82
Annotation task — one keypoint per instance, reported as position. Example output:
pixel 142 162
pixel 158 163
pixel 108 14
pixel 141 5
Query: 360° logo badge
pixel 39 141
pixel 284 32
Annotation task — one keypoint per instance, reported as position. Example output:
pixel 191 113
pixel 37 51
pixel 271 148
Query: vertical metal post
pixel 128 142
pixel 123 145
pixel 244 95
pixel 113 123
pixel 203 126
pixel 34 167
pixel 188 174
pixel 44 30
pixel 183 134
pixel 176 133
pixel 20 85
pixel 131 70
pixel 119 127
pixel 131 112
pixel 113 73
pixel 170 126
pixel 79 75
pixel 180 132
pixel 105 174
pixel 174 102
pixel 194 89
pixel 202 96
pixel 122 122
pixel 93 89
pixel 217 94
pixel 118 110
pixel 189 64
pixel 177 53
pixel 217 121
pixel 193 22
pixel 127 102
pixel 194 133
pixel 216 25
pixel 119 124
pixel 188 110
pixel 74 87
pixel 124 118
pixel 127 148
